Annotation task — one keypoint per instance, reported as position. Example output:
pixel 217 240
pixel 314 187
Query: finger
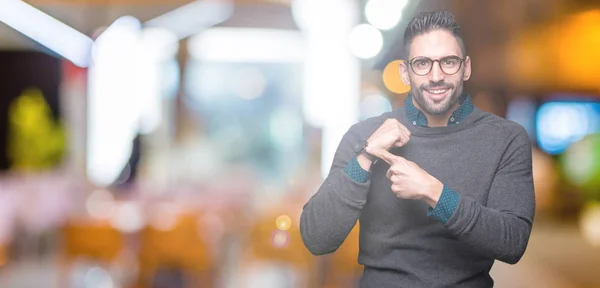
pixel 382 154
pixel 402 140
pixel 407 132
pixel 396 189
pixel 414 165
pixel 390 120
pixel 400 126
pixel 394 170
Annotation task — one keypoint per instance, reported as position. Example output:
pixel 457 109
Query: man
pixel 441 188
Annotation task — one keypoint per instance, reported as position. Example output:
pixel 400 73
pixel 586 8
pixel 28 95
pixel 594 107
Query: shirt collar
pixel 418 118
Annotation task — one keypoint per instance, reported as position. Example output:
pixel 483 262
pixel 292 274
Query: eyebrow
pixel 413 58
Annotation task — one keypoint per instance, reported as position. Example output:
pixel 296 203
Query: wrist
pixel 364 161
pixel 433 194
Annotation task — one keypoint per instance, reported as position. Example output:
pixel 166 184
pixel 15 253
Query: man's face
pixel 436 92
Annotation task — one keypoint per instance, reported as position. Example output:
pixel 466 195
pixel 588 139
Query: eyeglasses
pixel 422 65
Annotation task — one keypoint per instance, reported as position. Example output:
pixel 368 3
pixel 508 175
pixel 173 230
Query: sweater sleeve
pixel 446 205
pixel 331 213
pixel 501 229
pixel 356 172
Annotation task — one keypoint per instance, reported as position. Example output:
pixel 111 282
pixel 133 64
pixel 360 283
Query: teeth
pixel 438 91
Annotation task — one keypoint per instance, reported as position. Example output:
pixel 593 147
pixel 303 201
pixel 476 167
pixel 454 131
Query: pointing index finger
pixel 383 155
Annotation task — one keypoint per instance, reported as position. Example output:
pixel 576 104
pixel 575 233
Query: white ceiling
pixel 88 18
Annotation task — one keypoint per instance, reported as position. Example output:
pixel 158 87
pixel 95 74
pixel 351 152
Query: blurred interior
pixel 173 143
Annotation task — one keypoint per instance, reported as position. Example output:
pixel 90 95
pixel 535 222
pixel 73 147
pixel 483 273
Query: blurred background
pixel 173 143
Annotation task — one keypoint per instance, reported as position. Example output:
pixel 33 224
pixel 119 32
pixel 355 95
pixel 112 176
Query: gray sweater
pixel 485 159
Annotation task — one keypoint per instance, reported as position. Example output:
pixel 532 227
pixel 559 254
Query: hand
pixel 390 134
pixel 409 181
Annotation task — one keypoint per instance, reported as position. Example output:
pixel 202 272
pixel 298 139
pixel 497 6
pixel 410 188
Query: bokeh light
pixel 391 78
pixel 365 41
pixel 590 223
pixel 578 36
pixel 249 83
pixel 283 222
pixel 559 124
pixel 98 277
pixel 128 217
pixel 581 164
pixel 374 105
pixel 280 239
pixel 384 14
pixel 100 204
pixel 164 216
pixel 211 227
pixel 545 180
pixel 285 128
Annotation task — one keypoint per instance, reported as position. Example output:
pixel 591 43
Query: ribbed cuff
pixel 446 205
pixel 357 173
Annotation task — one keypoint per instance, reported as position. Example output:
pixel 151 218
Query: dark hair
pixel 429 21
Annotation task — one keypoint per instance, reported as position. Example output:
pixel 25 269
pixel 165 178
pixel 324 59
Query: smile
pixel 438 91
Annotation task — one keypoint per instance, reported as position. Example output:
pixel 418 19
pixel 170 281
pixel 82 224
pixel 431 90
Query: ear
pixel 404 73
pixel 467 74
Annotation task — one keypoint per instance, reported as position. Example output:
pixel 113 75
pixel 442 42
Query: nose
pixel 436 72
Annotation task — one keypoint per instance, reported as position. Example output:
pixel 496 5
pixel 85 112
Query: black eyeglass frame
pixel 461 61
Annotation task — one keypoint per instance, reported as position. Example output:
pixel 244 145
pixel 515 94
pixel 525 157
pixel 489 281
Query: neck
pixel 438 120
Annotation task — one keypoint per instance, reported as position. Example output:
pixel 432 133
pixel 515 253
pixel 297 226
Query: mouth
pixel 437 94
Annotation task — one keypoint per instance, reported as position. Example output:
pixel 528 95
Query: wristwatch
pixel 361 147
